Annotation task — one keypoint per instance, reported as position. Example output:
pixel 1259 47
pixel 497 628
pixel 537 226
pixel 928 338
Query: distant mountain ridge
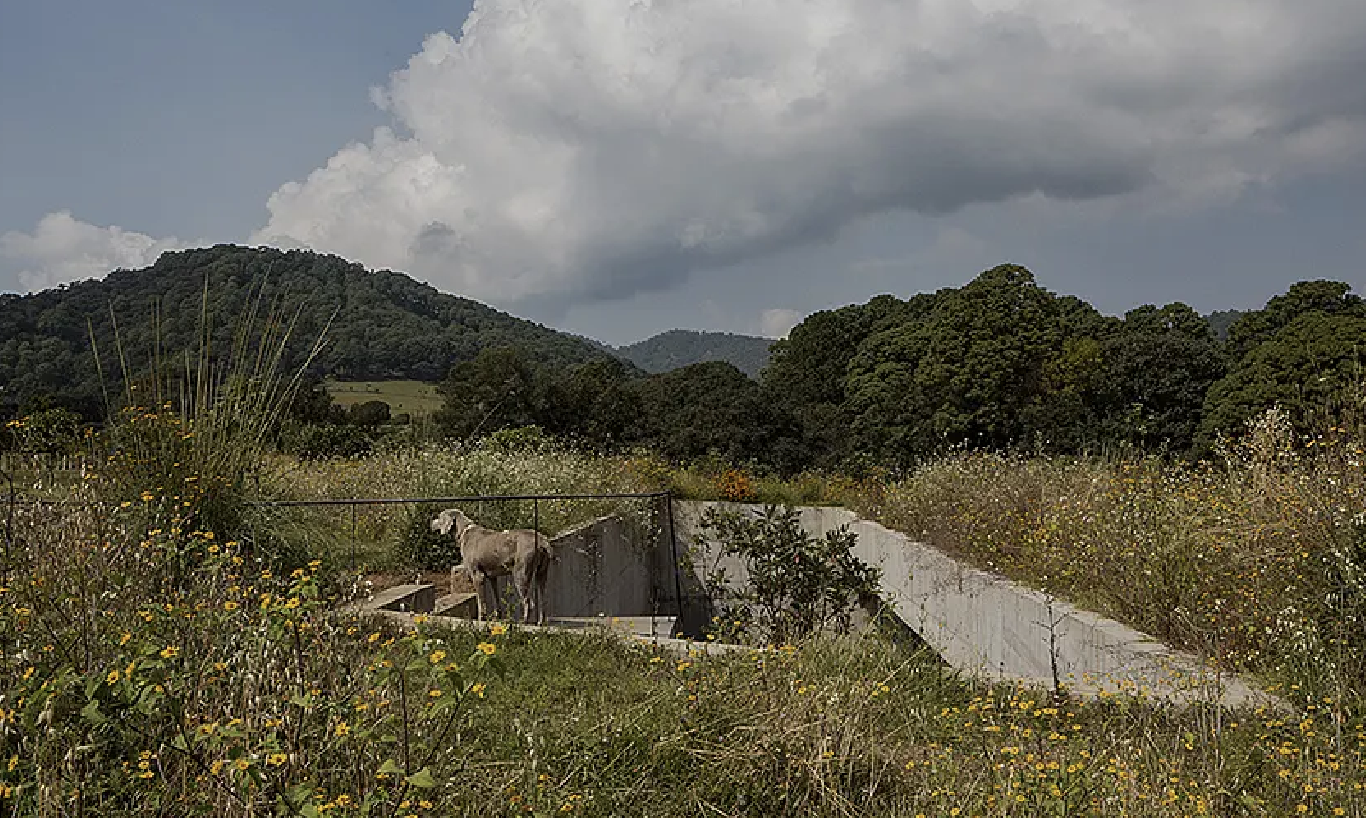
pixel 380 325
pixel 682 347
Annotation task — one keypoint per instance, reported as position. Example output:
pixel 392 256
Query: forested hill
pixel 386 325
pixel 680 347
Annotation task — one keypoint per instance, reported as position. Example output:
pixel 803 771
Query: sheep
pixel 486 554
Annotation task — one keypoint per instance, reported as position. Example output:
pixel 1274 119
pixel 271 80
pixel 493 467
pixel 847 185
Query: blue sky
pixel 621 168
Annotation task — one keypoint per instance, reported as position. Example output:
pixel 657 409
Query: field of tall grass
pixel 413 398
pixel 1256 560
pixel 154 671
pixel 169 647
pixel 396 537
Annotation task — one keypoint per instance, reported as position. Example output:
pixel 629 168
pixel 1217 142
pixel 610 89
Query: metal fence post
pixel 678 567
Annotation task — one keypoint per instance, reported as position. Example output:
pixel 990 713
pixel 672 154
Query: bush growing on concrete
pixel 797 584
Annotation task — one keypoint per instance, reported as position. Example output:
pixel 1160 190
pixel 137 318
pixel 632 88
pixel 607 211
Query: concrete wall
pixel 991 628
pixel 602 568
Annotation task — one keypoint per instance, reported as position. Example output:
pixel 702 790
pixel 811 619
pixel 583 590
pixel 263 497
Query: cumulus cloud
pixel 590 149
pixel 778 322
pixel 62 249
pixel 574 150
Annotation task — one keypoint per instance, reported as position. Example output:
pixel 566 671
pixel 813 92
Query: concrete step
pixel 464 605
pixel 413 598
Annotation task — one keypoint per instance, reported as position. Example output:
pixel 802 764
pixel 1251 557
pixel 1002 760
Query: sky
pixel 617 168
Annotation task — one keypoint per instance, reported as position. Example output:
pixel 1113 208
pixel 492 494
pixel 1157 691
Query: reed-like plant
pixel 189 430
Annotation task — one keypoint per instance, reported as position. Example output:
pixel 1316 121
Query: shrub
pixel 796 584
pixel 224 689
pixel 54 430
pixel 420 547
pixel 733 485
pixel 321 441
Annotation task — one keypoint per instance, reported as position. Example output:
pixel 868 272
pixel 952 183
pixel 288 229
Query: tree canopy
pixel 1000 363
pixel 379 324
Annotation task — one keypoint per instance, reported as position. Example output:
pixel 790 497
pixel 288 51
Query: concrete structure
pixel 989 627
pixel 412 598
pixel 605 572
pixel 614 573
pixel 602 568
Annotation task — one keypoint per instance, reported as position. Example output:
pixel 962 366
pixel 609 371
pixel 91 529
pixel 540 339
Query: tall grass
pixel 242 692
pixel 188 435
pixel 1255 561
pixel 396 536
pixel 152 661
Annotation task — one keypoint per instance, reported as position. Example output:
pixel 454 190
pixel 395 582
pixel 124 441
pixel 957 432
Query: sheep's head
pixel 448 519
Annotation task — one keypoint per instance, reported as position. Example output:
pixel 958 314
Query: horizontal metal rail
pixel 376 501
pixel 484 498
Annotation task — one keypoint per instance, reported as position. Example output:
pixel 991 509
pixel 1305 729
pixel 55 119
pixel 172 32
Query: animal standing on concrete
pixel 486 554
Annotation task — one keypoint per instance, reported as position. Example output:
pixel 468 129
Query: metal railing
pixel 13 501
pixel 354 502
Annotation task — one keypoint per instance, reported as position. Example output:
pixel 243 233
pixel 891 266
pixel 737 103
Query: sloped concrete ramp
pixel 991 628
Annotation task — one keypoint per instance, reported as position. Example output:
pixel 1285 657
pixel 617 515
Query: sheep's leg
pixel 480 586
pixel 523 583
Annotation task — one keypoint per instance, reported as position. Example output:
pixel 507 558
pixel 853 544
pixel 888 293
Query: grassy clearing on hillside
pixel 414 398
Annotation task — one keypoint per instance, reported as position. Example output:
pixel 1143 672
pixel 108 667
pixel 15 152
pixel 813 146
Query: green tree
pixel 370 414
pixel 1158 366
pixel 596 403
pixel 806 371
pixel 713 408
pixel 1304 367
pixel 500 389
pixel 1299 352
pixel 972 372
pixel 1253 328
pixel 312 403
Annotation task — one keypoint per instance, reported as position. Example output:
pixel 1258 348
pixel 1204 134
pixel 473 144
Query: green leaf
pixel 390 767
pixel 445 703
pixel 300 796
pixel 91 713
pixel 422 779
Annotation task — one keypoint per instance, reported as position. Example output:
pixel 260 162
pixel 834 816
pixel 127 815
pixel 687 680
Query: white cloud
pixel 62 249
pixel 582 149
pixel 778 322
pixel 565 151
